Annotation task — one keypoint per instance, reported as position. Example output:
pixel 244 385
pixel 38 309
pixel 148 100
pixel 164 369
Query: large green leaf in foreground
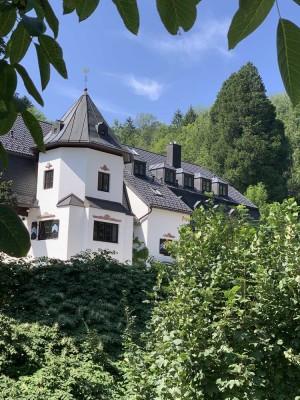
pixel 177 14
pixel 288 52
pixel 248 17
pixel 14 237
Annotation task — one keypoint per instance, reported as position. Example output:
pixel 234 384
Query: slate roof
pixel 19 139
pixel 107 205
pixel 23 172
pixel 70 200
pixel 155 194
pixel 79 128
pixel 177 198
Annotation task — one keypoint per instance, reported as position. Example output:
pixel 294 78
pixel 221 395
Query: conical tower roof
pixel 84 126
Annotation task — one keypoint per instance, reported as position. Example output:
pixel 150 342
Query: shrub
pixel 229 328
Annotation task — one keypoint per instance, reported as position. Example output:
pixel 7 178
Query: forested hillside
pixel 246 137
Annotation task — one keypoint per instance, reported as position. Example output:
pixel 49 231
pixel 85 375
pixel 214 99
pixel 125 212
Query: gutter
pixel 146 215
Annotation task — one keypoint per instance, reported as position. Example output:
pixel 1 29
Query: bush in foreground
pixel 229 328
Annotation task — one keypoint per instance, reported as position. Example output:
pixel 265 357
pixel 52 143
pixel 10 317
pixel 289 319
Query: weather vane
pixel 85 71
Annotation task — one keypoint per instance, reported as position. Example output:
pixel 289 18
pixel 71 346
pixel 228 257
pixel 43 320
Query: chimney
pixel 174 155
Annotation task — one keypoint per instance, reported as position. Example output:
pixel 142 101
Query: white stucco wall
pixel 76 226
pixel 160 224
pixel 56 248
pixel 123 248
pixel 49 197
pixel 76 171
pixel 139 208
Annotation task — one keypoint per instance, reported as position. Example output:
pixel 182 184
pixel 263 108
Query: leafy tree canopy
pixel 258 195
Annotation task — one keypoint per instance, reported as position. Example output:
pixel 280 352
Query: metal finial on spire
pixel 85 71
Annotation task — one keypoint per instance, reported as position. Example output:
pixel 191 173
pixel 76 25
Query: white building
pixel 88 191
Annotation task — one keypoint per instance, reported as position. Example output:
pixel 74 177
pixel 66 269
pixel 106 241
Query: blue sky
pixel 155 72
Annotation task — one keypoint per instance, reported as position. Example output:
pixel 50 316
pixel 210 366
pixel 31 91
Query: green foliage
pixel 229 327
pixel 288 37
pixel 190 117
pixel 127 132
pixel 177 119
pixel 246 143
pixel 291 118
pixel 37 362
pixel 14 237
pixel 6 192
pixel 140 252
pixel 247 19
pixel 257 194
pixel 88 292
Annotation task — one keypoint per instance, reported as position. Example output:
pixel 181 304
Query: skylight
pixel 133 151
pixel 157 192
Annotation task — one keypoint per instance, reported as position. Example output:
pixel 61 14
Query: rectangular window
pixel 103 182
pixel 222 190
pixel 169 176
pixel 48 229
pixel 206 185
pixel 105 232
pixel 48 179
pixel 33 233
pixel 139 168
pixel 162 247
pixel 188 181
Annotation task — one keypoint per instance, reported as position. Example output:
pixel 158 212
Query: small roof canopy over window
pixel 163 172
pixel 185 178
pixel 220 186
pixel 202 182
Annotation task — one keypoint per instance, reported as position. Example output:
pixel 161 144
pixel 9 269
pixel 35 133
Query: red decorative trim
pixel 169 235
pixel 107 218
pixel 104 168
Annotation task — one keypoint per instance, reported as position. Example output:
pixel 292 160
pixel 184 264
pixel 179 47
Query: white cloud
pixel 146 87
pixel 210 37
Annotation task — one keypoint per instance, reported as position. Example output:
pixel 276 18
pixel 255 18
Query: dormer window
pixel 206 185
pixel 188 181
pixel 223 190
pixel 169 176
pixel 139 168
pixel 101 128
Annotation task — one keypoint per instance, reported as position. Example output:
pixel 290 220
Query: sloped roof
pixel 79 128
pixel 146 188
pixel 186 198
pixel 71 200
pixel 23 172
pixel 19 140
pixel 107 205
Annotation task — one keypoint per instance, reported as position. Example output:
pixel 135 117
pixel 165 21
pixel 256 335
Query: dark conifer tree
pixel 177 119
pixel 190 117
pixel 247 143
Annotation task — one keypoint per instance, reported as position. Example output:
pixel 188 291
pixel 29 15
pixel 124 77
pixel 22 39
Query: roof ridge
pixel 162 155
